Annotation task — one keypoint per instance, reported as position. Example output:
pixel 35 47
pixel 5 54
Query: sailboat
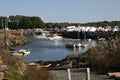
pixel 73 44
pixel 70 45
pixel 84 43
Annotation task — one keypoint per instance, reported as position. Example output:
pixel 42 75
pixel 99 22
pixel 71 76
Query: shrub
pixel 34 73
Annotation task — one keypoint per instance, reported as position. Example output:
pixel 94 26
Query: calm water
pixel 50 50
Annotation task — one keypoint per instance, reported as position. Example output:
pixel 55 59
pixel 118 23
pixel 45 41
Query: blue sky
pixel 75 11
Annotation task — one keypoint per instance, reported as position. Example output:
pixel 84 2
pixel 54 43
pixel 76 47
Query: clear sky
pixel 75 11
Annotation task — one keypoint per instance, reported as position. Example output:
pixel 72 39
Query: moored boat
pixel 70 45
pixel 55 64
pixel 84 45
pixel 55 37
pixel 24 51
pixel 15 53
pixel 19 52
pixel 73 44
pixel 78 44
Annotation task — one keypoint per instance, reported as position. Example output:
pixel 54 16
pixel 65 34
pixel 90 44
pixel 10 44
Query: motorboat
pixel 84 45
pixel 24 51
pixel 55 37
pixel 78 44
pixel 73 44
pixel 70 45
pixel 15 53
pixel 41 37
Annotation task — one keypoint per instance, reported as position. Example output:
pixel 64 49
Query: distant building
pixel 91 29
pixel 108 28
pixel 38 29
pixel 116 28
pixel 71 28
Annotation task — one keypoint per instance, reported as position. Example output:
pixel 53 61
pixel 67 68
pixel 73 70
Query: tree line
pixel 91 24
pixel 21 22
pixel 30 22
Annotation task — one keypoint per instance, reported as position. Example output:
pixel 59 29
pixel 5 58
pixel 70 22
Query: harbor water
pixel 51 50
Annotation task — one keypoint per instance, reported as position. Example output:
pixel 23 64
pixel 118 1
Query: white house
pixel 108 28
pixel 100 29
pixel 92 29
pixel 116 28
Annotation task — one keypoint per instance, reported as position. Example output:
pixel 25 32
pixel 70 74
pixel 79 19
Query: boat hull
pixel 73 45
pixel 55 64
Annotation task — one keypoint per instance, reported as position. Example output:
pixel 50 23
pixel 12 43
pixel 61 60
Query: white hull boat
pixel 24 51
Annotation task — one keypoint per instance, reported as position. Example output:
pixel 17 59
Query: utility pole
pixel 5 43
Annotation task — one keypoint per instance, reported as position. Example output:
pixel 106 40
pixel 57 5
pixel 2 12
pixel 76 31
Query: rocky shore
pixel 18 42
pixel 13 38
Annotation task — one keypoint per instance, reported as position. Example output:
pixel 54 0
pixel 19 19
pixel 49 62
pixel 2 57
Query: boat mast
pixel 78 34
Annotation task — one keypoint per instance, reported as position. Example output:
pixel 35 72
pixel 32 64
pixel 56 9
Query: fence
pixel 72 74
pixel 87 73
pixel 78 74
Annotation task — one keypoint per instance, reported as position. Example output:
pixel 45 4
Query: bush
pixel 34 73
pixel 105 57
pixel 18 70
pixel 12 74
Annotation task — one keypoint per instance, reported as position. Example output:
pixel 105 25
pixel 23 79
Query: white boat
pixel 73 44
pixel 70 45
pixel 84 45
pixel 15 53
pixel 55 37
pixel 78 44
pixel 24 51
pixel 41 37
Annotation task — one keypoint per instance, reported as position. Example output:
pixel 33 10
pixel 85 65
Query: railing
pixel 87 73
pixel 72 74
pixel 78 74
